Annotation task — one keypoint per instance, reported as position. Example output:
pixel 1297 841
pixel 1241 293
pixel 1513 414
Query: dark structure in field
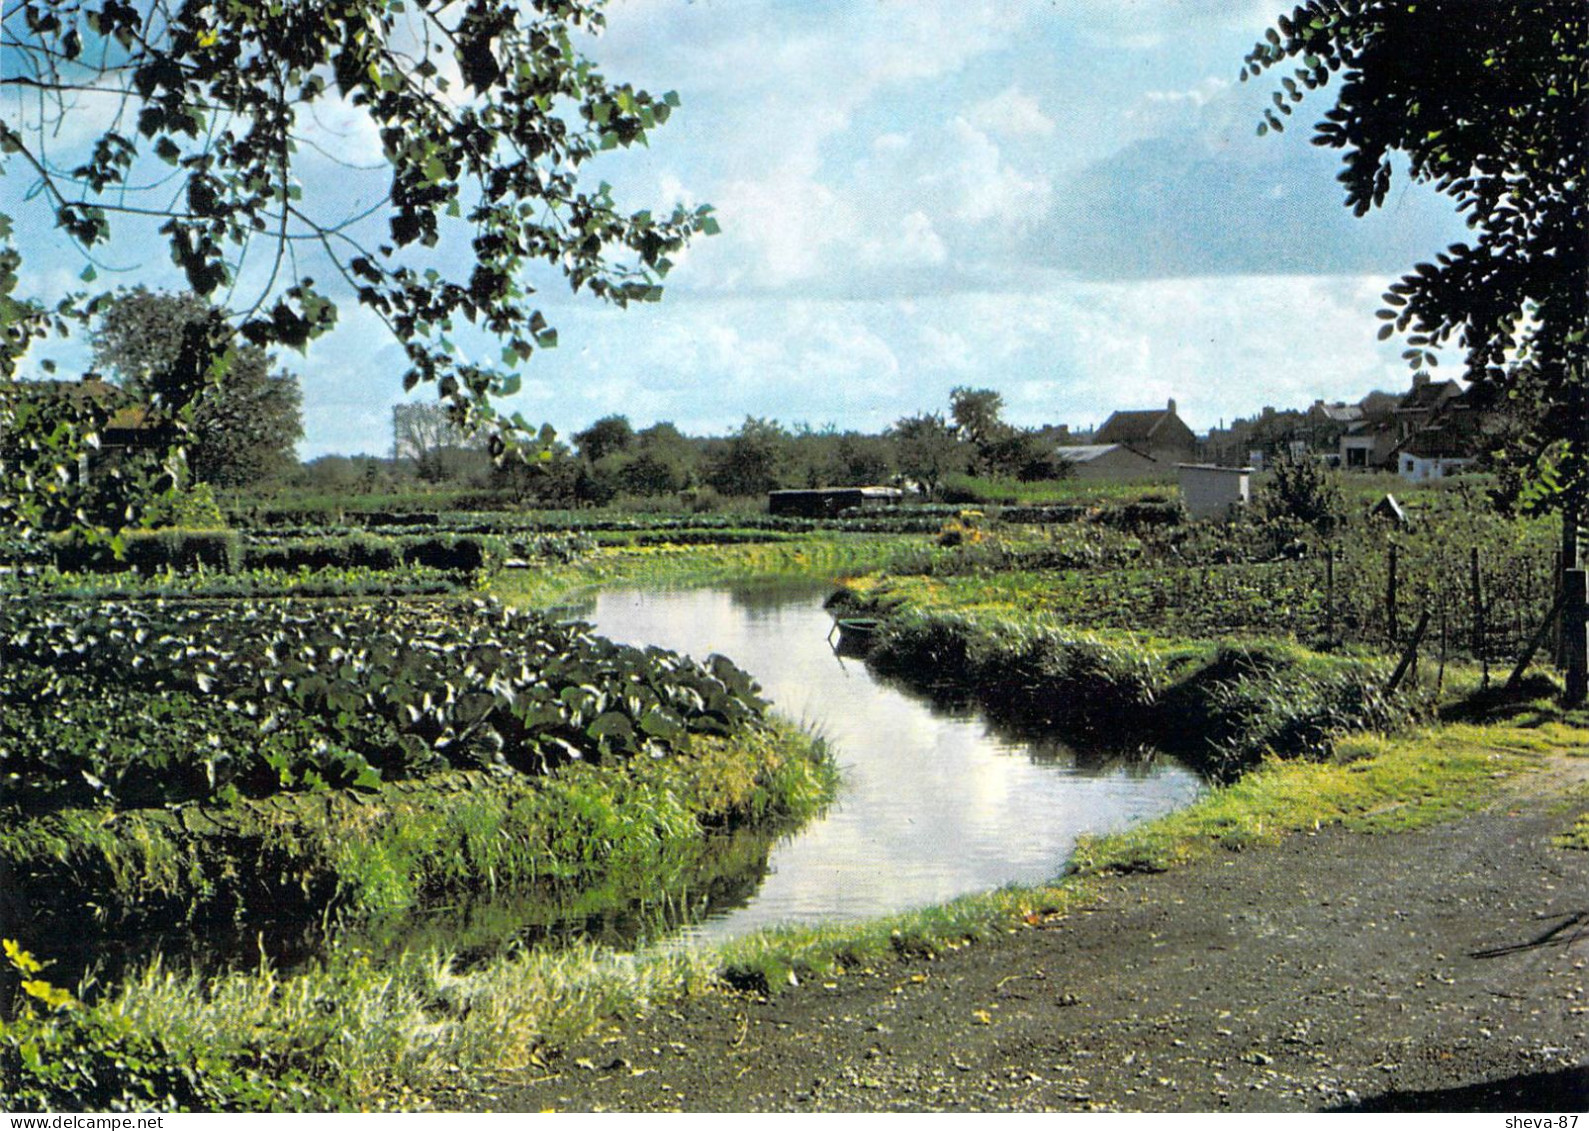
pixel 827 502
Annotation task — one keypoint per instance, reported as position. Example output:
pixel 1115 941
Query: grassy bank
pixel 1223 705
pixel 627 829
pixel 353 1028
pixel 354 1033
pixel 823 557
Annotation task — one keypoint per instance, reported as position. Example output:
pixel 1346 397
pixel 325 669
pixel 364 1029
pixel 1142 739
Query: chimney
pixel 1420 379
pixel 1172 404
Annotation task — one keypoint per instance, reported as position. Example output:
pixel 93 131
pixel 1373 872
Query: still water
pixel 936 802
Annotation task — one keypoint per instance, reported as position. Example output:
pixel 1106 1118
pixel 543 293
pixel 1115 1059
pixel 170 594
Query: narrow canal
pixel 936 802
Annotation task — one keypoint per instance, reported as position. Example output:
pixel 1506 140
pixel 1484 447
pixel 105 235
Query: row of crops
pixel 142 703
pixel 907 519
pixel 1486 582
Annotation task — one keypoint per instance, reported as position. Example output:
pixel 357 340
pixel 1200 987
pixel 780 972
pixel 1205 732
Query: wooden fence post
pixel 1329 594
pixel 1409 657
pixel 1445 643
pixel 1390 596
pixel 1476 584
pixel 1544 630
pixel 1556 638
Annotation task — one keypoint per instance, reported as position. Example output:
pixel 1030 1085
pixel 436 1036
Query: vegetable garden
pixel 140 705
pixel 323 717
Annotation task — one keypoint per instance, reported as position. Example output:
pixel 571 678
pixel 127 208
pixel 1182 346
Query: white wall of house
pixel 1418 469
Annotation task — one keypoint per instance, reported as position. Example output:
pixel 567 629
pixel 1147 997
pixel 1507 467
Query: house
pixel 1208 491
pixel 1387 423
pixel 1453 436
pixel 1433 453
pixel 123 425
pixel 1339 414
pixel 1109 461
pixel 1367 444
pixel 1426 400
pixel 1159 434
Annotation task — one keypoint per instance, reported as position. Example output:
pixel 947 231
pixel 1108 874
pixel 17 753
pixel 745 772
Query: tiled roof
pixel 1131 427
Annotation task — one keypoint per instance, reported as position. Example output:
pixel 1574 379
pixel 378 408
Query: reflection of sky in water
pixel 933 806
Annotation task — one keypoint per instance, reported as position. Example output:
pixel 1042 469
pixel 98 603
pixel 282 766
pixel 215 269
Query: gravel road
pixel 1441 969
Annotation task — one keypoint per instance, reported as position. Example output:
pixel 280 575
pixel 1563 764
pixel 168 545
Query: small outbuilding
pixel 827 502
pixel 1208 491
pixel 1107 461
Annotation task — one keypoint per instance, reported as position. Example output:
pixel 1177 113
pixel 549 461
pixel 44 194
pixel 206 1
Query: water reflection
pixel 938 801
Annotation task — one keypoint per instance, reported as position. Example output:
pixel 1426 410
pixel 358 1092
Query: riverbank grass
pixel 630 827
pixel 1374 784
pixel 373 1024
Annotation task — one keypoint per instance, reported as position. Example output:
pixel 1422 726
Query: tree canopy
pixel 204 115
pixel 241 430
pixel 927 449
pixel 1487 102
pixel 606 436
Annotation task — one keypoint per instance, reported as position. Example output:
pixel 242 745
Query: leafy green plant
pixel 1301 490
pixel 170 702
pixel 58 1055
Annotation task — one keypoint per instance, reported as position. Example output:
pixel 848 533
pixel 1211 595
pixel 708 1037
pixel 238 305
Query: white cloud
pixel 986 188
pixel 1161 111
pixel 1011 114
pixel 1060 350
pixel 911 242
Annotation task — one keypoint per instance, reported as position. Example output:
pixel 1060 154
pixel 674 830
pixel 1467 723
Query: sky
pixel 1063 200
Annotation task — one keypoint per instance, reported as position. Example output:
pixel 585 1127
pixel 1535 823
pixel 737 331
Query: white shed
pixel 1214 492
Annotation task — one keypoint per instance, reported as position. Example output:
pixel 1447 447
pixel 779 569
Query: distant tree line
pixel 612 458
pixel 242 432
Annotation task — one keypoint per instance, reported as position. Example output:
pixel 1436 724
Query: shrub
pixel 463 555
pixel 349 551
pixel 1302 490
pixel 151 551
pixel 194 508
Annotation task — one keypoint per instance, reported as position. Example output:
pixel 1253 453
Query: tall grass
pixel 1222 704
pixel 630 829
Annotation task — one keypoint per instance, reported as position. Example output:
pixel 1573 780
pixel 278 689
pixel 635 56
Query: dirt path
pixel 1443 969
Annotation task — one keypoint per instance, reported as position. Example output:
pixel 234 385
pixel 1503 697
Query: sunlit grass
pixel 818 557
